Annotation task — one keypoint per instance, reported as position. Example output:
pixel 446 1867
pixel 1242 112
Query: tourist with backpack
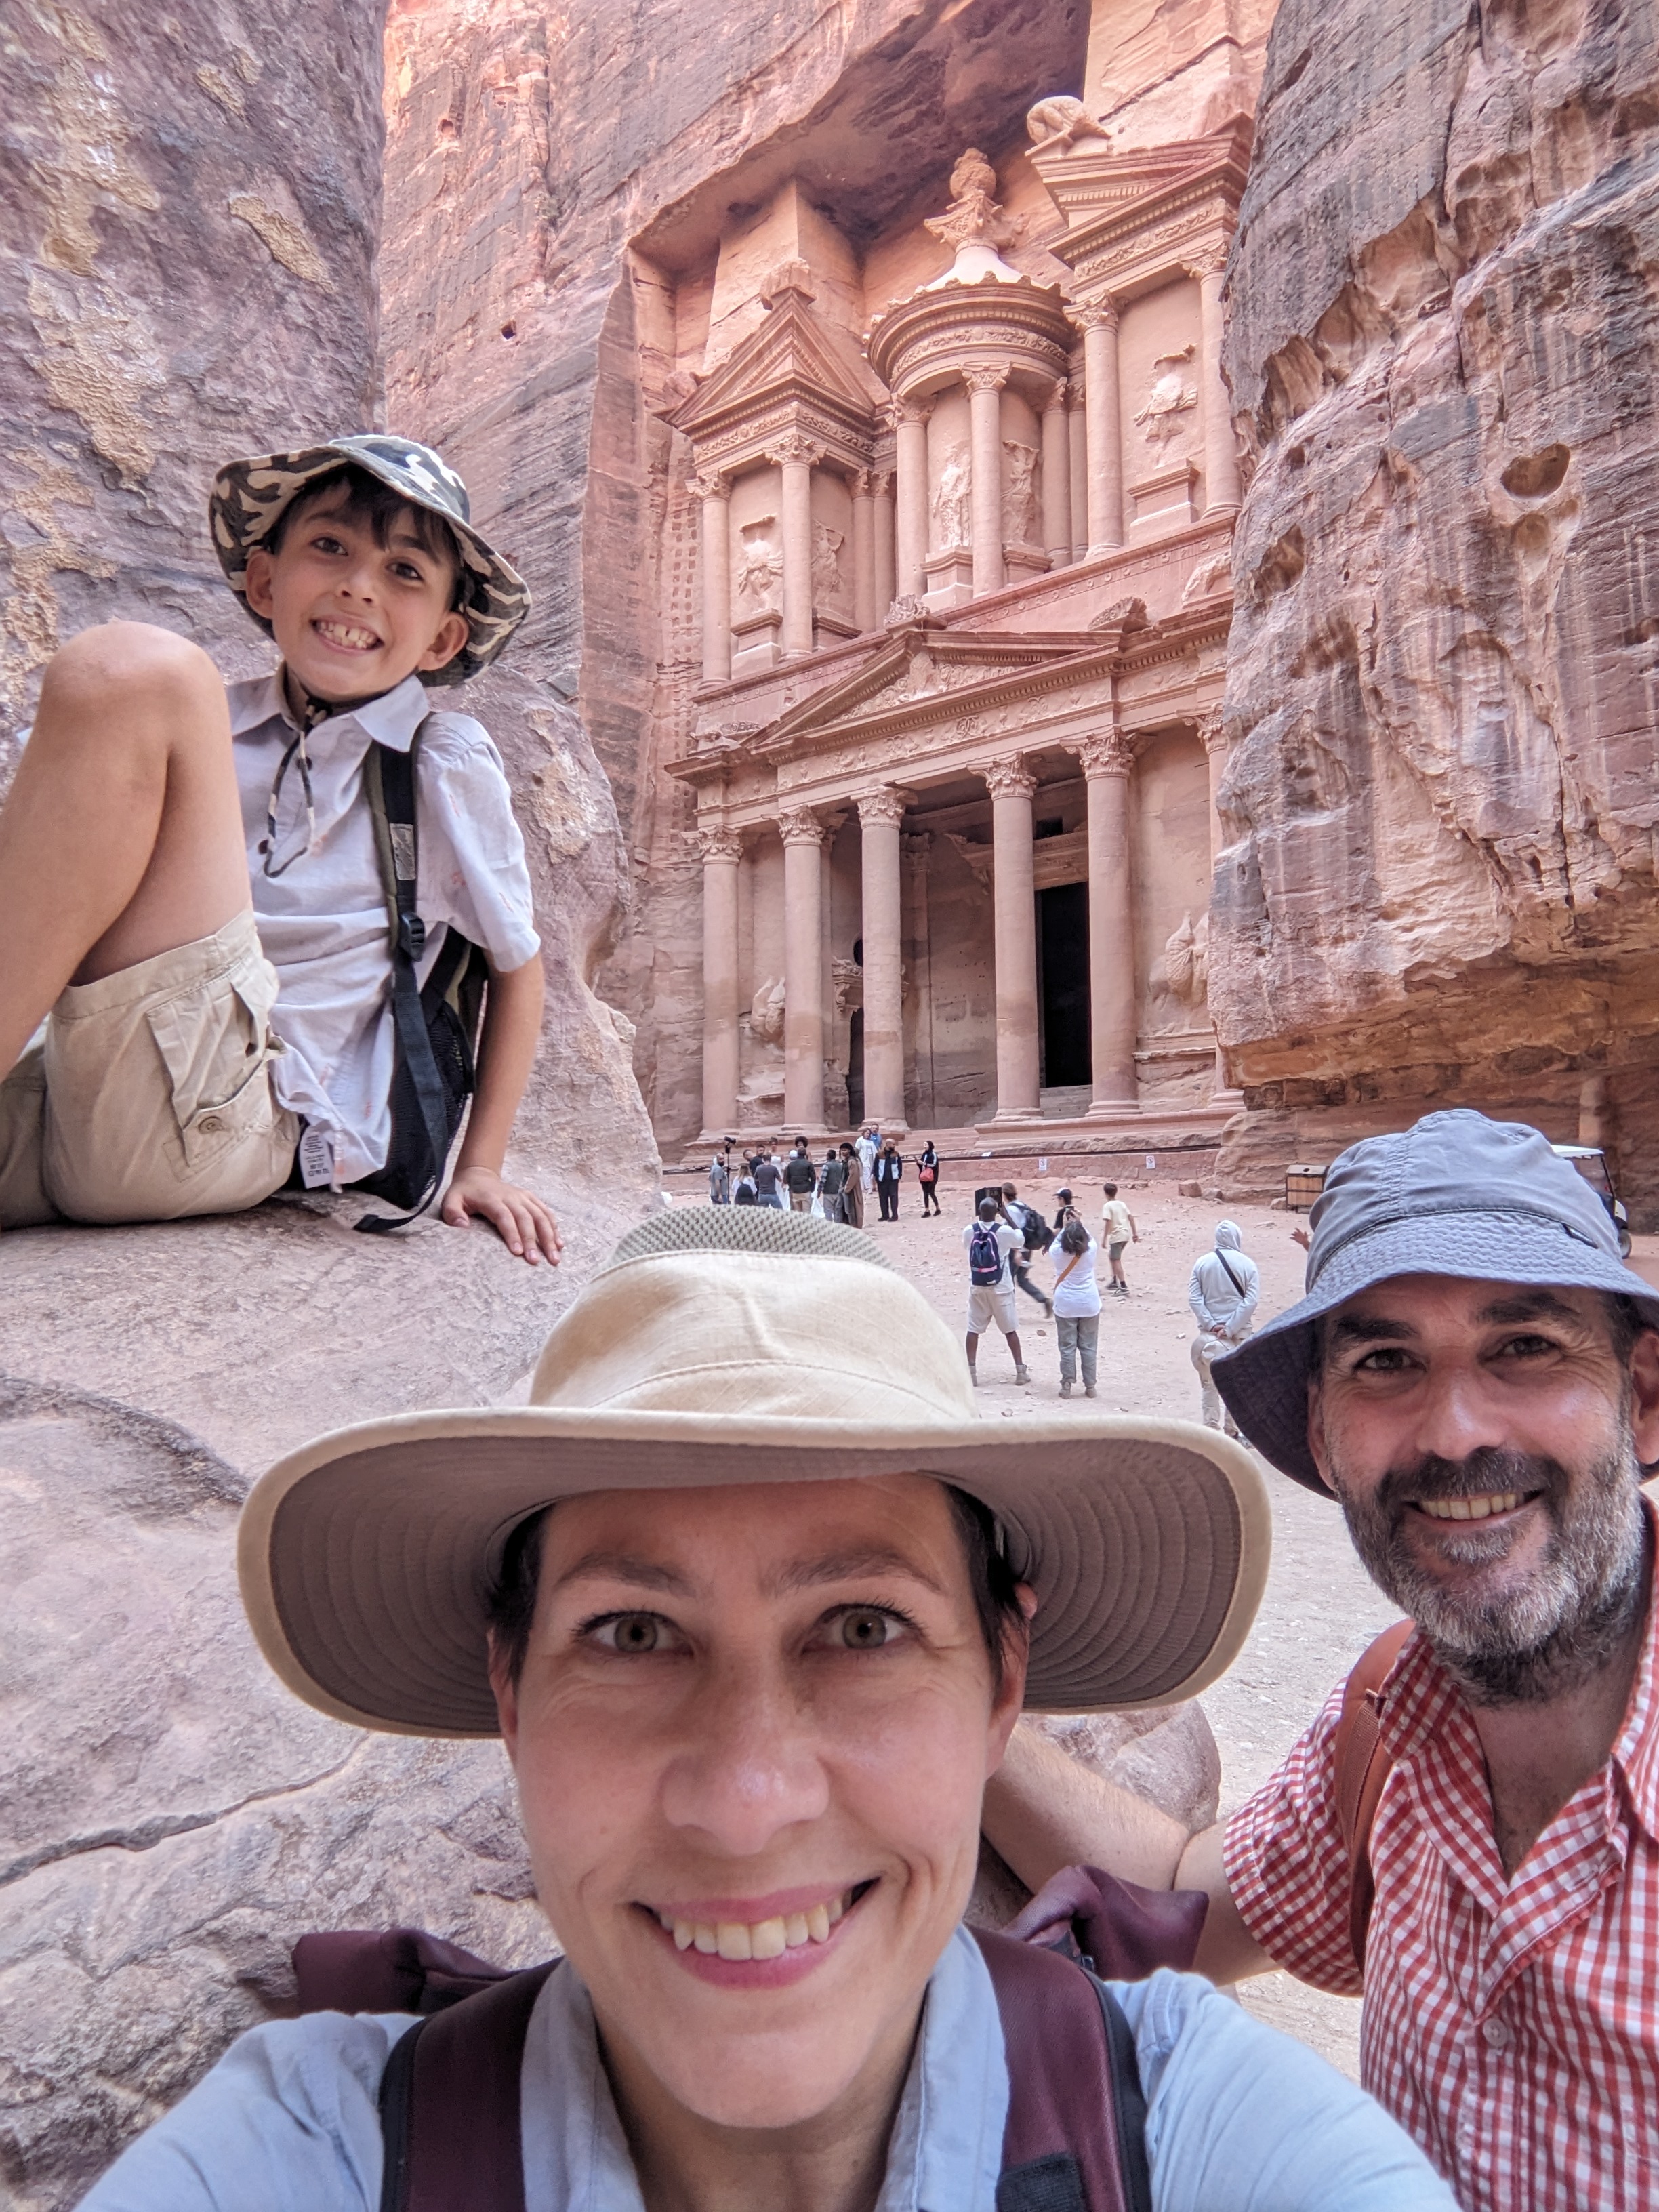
pixel 1222 1293
pixel 1465 1833
pixel 751 1670
pixel 1035 1237
pixel 283 936
pixel 991 1240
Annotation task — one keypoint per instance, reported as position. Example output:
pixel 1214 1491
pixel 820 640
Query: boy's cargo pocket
pixel 215 1046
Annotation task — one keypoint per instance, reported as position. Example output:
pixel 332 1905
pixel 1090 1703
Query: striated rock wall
pixel 1444 672
pixel 186 272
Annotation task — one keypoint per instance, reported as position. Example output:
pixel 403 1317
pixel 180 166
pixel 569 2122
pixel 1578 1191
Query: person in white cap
pixel 1470 1830
pixel 752 1656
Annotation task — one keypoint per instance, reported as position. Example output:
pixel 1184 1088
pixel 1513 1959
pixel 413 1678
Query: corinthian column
pixel 910 440
pixel 1012 784
pixel 793 456
pixel 881 508
pixel 1098 323
pixel 803 972
pixel 1107 761
pixel 715 495
pixel 722 853
pixel 1212 735
pixel 985 443
pixel 1221 446
pixel 880 813
pixel 1057 479
pixel 863 553
pixel 1077 412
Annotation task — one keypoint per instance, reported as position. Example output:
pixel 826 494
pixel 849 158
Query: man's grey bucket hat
pixel 1455 1194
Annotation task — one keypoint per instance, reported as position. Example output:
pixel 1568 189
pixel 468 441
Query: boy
pixel 196 1041
pixel 1120 1227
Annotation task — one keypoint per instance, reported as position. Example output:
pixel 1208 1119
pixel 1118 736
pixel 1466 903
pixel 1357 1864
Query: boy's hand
pixel 524 1224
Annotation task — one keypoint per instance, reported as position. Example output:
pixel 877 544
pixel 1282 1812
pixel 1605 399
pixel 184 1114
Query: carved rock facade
pixel 1440 804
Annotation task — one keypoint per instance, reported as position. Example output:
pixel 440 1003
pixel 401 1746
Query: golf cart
pixel 1592 1163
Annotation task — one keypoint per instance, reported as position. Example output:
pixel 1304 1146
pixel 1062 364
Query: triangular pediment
pixel 922 665
pixel 794 350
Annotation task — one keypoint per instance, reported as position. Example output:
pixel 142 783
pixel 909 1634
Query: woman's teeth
pixel 758 1939
pixel 1470 1508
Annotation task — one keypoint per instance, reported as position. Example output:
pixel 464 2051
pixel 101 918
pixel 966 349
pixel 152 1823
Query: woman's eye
pixel 866 1628
pixel 631 1633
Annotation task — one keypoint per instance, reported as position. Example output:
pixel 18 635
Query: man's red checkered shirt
pixel 1512 2026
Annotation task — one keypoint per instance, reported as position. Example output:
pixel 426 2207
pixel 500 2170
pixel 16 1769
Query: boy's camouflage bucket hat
pixel 249 495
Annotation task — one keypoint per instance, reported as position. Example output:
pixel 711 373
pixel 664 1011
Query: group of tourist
pixel 835 1189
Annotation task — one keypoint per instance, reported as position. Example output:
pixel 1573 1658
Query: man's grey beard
pixel 1553 1632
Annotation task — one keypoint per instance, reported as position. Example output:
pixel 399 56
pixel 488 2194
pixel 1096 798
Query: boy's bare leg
pixel 121 835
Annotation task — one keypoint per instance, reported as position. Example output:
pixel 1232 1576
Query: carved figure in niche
pixel 953 503
pixel 1019 495
pixel 1179 976
pixel 766 1013
pixel 1169 397
pixel 760 567
pixel 1060 120
pixel 848 978
pixel 829 585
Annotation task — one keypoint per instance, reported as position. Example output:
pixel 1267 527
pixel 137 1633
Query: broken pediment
pixel 1113 201
pixel 922 662
pixel 795 354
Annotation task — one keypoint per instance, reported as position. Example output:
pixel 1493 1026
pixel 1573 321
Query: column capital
pixel 917 846
pixel 886 804
pixel 984 376
pixel 1208 261
pixel 895 412
pixel 709 484
pixel 1211 731
pixel 718 842
pixel 1093 314
pixel 1055 403
pixel 799 825
pixel 1110 753
pixel 793 445
pixel 1009 778
pixel 859 483
pixel 880 482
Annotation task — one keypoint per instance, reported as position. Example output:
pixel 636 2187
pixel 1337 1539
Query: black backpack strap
pixel 1075 2135
pixel 1231 1278
pixel 449 2104
pixel 389 781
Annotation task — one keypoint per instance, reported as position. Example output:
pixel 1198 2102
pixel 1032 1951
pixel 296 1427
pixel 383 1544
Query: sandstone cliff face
pixel 187 272
pixel 1444 675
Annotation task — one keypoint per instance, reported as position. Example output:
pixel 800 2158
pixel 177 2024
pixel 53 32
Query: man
pixel 1034 1236
pixel 764 1169
pixel 991 1240
pixel 1475 1375
pixel 720 1181
pixel 832 1177
pixel 1223 1291
pixel 1117 1228
pixel 801 1178
pixel 751 1669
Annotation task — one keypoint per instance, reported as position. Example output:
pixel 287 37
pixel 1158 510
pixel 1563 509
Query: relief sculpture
pixel 1179 976
pixel 760 568
pixel 953 503
pixel 828 583
pixel 1019 492
pixel 1169 397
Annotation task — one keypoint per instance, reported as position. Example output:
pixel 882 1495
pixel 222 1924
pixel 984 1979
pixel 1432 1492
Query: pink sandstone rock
pixel 1441 696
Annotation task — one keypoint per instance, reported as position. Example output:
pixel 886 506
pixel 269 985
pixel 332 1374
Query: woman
pixel 1076 1305
pixel 889 1169
pixel 927 1176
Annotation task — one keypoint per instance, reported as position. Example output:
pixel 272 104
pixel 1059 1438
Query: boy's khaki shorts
pixel 148 1096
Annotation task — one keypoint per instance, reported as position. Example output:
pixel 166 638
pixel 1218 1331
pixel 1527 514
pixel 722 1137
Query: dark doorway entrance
pixel 1063 984
pixel 855 1068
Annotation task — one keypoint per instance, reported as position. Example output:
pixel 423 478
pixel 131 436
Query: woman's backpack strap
pixel 449 2104
pixel 1075 2135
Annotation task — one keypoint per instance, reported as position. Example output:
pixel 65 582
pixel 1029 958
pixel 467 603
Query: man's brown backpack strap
pixel 1363 1766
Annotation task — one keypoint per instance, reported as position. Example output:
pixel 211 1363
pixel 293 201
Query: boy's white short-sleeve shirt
pixel 322 922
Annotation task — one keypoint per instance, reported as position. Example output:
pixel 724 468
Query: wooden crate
pixel 1302 1186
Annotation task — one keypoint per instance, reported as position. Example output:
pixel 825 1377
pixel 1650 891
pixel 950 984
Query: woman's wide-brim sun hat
pixel 1455 1195
pixel 248 497
pixel 720 1346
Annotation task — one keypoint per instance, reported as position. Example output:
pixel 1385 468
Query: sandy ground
pixel 1319 1611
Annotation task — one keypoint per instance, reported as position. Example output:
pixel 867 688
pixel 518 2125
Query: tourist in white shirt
pixel 1076 1305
